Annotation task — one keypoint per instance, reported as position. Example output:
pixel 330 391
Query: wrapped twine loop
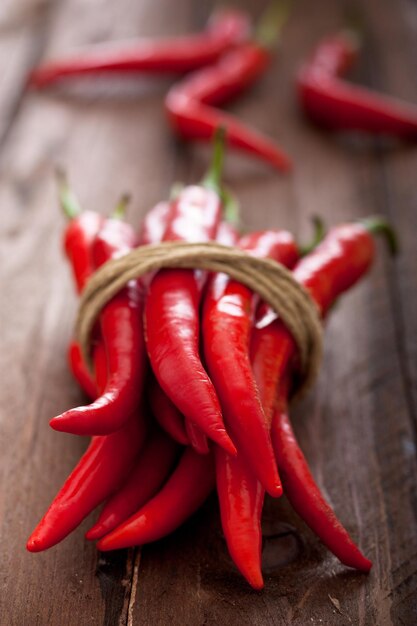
pixel 271 280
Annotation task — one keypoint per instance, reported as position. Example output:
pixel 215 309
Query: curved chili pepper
pixel 240 493
pixel 343 257
pixel 146 479
pixel 188 487
pixel 78 239
pixel 101 470
pixel 232 74
pixel 190 104
pixel 227 235
pixel 122 333
pixel 166 413
pixel 196 121
pixel 337 104
pixel 172 310
pixel 177 55
pixel 334 266
pixel 79 233
pixel 304 494
pixel 241 498
pixel 227 322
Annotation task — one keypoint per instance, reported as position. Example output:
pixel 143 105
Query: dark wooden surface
pixel 358 428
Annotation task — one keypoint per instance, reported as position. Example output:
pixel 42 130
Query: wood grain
pixel 359 426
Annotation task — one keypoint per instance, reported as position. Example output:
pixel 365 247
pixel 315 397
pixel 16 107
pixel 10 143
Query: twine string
pixel 270 280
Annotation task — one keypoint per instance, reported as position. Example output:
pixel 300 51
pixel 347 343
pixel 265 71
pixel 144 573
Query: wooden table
pixel 358 427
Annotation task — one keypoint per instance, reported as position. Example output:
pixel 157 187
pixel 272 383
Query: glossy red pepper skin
pixel 101 470
pixel 190 104
pixel 188 487
pixel 227 235
pixel 174 55
pixel 304 494
pixel 172 324
pixel 146 479
pixel 122 333
pixel 166 413
pixel 79 236
pixel 334 266
pixel 336 104
pixel 153 224
pixel 240 493
pixel 227 323
pixel 342 258
pixel 241 498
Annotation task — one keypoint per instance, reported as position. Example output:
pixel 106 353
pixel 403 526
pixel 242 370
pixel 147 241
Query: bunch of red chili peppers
pixel 191 381
pixel 192 373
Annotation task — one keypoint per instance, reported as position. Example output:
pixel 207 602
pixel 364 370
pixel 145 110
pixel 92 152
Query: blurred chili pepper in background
pixel 176 55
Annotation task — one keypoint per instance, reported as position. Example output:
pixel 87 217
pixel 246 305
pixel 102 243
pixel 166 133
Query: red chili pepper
pixel 337 104
pixel 188 487
pixel 240 493
pixel 343 257
pixel 241 498
pixel 100 472
pixel 228 236
pixel 154 224
pixel 79 233
pixel 146 479
pixel 304 494
pixel 79 236
pixel 177 55
pixel 227 322
pixel 166 413
pixel 334 266
pixel 190 103
pixel 232 74
pixel 172 310
pixel 122 333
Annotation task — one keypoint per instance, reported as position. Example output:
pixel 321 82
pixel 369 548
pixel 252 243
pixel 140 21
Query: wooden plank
pixel 108 148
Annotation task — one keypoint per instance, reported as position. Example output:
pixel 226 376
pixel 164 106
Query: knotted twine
pixel 270 280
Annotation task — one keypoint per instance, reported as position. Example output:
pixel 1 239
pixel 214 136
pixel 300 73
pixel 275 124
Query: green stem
pixel 213 178
pixel 380 226
pixel 119 213
pixel 271 23
pixel 318 236
pixel 231 207
pixel 68 200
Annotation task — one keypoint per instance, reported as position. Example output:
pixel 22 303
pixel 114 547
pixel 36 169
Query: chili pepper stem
pixel 318 235
pixel 212 180
pixel 271 23
pixel 119 212
pixel 379 226
pixel 231 207
pixel 69 202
